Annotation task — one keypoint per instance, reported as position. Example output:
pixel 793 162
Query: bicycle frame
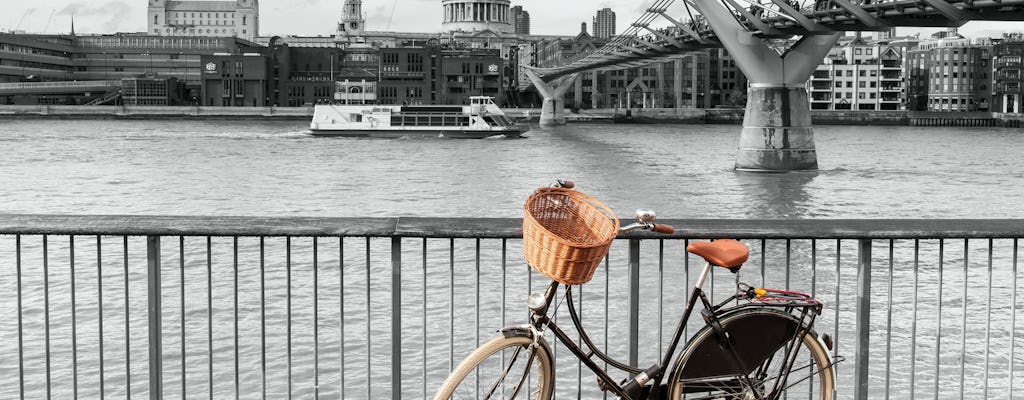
pixel 633 387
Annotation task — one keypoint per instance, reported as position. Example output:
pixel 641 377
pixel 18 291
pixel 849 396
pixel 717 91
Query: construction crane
pixel 27 12
pixel 48 21
pixel 393 4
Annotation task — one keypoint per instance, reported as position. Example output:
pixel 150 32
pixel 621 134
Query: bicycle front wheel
pixel 762 339
pixel 503 368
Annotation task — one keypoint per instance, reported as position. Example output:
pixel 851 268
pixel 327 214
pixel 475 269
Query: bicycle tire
pixel 479 375
pixel 704 369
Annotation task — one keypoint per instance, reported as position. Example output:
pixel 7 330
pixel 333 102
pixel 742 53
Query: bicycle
pixel 761 347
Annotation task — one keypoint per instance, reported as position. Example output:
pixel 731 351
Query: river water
pixel 276 169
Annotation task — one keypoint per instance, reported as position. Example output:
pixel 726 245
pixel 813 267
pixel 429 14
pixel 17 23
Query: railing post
pixel 155 328
pixel 634 300
pixel 863 328
pixel 396 318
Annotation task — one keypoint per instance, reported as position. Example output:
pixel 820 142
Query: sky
pixel 319 17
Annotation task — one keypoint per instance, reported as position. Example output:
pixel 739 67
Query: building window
pixel 244 20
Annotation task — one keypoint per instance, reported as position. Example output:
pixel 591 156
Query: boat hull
pixel 411 133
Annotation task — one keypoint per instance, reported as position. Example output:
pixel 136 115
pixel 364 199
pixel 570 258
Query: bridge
pixel 776 43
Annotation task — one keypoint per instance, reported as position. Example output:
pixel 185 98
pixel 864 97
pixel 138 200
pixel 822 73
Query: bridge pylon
pixel 777 133
pixel 552 111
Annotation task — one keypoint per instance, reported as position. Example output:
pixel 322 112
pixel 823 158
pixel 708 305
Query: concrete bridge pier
pixel 777 134
pixel 552 111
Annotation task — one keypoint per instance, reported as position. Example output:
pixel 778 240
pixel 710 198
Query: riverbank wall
pixel 155 112
pixel 733 116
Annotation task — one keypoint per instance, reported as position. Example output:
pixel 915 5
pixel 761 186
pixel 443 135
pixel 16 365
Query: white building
pixel 239 18
pixel 858 75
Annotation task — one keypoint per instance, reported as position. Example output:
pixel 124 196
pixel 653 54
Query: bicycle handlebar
pixel 660 228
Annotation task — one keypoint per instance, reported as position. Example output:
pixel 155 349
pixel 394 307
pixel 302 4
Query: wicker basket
pixel 566 234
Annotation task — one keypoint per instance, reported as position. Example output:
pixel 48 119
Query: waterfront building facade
pixel 239 18
pixel 950 74
pixel 408 75
pixel 36 57
pixel 1007 80
pixel 150 90
pixel 234 80
pixel 520 20
pixel 470 72
pixel 476 15
pixel 84 61
pixel 858 75
pixel 604 23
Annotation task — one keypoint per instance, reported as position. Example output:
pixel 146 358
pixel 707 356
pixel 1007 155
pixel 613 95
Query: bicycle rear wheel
pixel 762 338
pixel 503 368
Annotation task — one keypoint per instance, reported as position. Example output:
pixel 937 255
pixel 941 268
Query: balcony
pixel 821 85
pixel 226 306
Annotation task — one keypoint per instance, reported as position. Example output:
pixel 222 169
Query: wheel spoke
pixel 526 375
pixel 501 378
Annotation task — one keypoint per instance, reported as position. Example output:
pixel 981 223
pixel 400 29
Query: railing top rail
pixel 143 225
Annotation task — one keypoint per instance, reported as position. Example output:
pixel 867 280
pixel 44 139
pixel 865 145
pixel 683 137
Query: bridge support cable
pixel 955 15
pixel 862 15
pixel 777 134
pixel 755 21
pixel 806 23
pixel 684 27
pixel 552 112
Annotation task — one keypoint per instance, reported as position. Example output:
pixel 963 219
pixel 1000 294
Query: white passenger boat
pixel 481 118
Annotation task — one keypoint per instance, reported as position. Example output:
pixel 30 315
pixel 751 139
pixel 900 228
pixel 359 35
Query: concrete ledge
pixel 154 112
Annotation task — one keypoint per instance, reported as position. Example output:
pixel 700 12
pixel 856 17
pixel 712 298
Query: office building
pixel 951 74
pixel 604 23
pixel 520 20
pixel 858 75
pixel 1006 86
pixel 239 18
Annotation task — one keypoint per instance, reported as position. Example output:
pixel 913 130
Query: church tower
pixel 352 22
pixel 247 15
pixel 157 13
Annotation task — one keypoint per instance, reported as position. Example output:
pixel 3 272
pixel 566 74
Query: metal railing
pixel 221 307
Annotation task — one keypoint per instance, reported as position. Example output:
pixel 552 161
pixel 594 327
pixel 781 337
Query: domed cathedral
pixel 239 18
pixel 477 15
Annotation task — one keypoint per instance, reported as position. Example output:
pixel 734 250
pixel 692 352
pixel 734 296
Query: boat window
pixel 357 117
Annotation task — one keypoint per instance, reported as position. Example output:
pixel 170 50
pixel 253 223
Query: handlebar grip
pixel 662 228
pixel 566 184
